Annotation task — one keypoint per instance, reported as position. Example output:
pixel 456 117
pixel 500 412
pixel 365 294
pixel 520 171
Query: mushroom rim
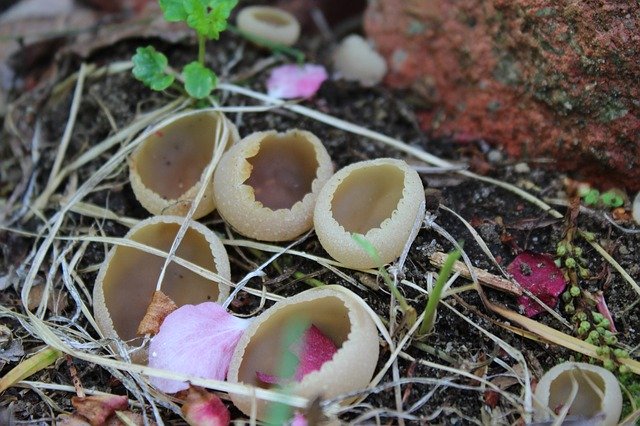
pixel 190 193
pixel 323 168
pixel 385 223
pixel 104 318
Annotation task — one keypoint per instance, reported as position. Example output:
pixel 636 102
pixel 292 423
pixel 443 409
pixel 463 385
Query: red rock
pixel 539 78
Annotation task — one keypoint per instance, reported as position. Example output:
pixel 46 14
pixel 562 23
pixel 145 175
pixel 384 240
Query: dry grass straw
pixel 58 239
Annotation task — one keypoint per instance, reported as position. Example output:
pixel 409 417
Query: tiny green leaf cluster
pixel 208 18
pixel 610 198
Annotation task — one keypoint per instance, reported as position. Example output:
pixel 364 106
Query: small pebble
pixel 636 208
pixel 494 156
pixel 522 168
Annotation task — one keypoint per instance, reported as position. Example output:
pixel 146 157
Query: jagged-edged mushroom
pixel 337 313
pixel 590 390
pixel 269 23
pixel 266 185
pixel 167 169
pixel 355 59
pixel 127 279
pixel 380 199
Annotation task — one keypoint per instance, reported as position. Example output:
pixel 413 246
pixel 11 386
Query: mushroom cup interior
pixel 173 158
pixel 587 402
pixel 131 278
pixel 283 170
pixel 264 351
pixel 367 197
pixel 271 17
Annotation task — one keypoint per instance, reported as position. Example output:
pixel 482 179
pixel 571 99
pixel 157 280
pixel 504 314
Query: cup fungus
pixel 166 170
pixel 269 23
pixel 266 185
pixel 337 313
pixel 379 199
pixel 591 390
pixel 127 279
pixel 355 59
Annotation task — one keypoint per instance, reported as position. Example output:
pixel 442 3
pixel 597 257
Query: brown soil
pixel 379 109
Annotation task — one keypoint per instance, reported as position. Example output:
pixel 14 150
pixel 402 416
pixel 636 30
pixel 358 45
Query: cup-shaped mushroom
pixel 266 185
pixel 589 389
pixel 167 169
pixel 127 279
pixel 269 23
pixel 380 199
pixel 338 314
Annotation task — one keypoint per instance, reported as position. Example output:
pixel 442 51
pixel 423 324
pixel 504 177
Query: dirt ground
pixel 505 221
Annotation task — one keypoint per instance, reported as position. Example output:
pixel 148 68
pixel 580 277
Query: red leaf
pixel 539 274
pixel 202 408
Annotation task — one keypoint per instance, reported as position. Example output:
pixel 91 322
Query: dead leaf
pixel 98 408
pixel 10 349
pixel 161 306
pixel 56 303
pixel 130 416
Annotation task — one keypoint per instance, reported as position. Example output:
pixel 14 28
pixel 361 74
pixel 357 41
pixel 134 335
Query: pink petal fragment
pixel 602 307
pixel 203 408
pixel 316 349
pixel 299 420
pixel 539 274
pixel 197 340
pixel 295 81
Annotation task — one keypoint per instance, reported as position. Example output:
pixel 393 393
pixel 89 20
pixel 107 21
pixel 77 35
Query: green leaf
pixel 199 80
pixel 208 17
pixel 591 197
pixel 173 10
pixel 29 366
pixel 612 199
pixel 149 67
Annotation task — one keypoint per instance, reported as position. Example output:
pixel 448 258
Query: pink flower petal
pixel 295 81
pixel 197 340
pixel 604 310
pixel 203 408
pixel 539 274
pixel 315 350
pixel 299 420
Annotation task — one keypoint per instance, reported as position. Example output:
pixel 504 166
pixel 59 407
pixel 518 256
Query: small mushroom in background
pixel 127 279
pixel 589 389
pixel 355 59
pixel 266 186
pixel 380 199
pixel 166 170
pixel 269 23
pixel 335 312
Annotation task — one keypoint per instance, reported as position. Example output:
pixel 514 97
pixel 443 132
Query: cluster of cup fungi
pixel 274 187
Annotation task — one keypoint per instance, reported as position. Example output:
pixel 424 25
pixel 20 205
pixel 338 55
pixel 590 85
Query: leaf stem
pixel 201 45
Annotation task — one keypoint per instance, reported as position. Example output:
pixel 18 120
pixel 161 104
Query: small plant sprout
pixel 208 18
pixel 592 197
pixel 408 310
pixel 436 293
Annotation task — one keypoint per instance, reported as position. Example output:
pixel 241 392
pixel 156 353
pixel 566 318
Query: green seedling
pixel 436 293
pixel 208 18
pixel 593 197
pixel 410 314
pixel 279 413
